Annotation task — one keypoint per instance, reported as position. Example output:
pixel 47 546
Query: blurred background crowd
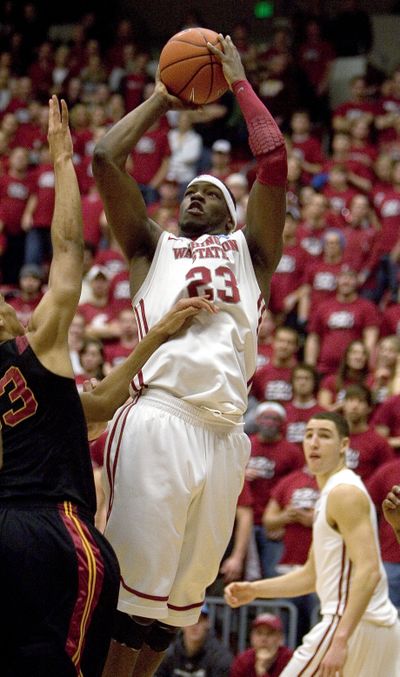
pixel 331 337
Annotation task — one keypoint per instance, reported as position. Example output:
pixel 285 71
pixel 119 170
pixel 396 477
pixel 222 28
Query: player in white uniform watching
pixel 359 634
pixel 176 455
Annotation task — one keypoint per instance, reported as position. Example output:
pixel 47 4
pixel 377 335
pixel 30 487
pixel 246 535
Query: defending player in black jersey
pixel 59 577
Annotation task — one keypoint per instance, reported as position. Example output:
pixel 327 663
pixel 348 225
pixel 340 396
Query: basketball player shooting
pixel 175 458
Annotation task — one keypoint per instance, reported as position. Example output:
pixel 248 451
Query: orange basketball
pixel 189 70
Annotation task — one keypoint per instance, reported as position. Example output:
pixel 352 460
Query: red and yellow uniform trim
pixel 90 582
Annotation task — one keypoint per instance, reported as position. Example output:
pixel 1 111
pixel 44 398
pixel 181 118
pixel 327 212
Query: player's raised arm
pixel 124 205
pixel 49 323
pixel 267 201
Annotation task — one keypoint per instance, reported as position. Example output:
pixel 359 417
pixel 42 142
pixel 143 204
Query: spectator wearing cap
pixel 197 652
pixel 267 656
pixel 98 313
pixel 271 458
pixel 220 163
pixel 338 321
pixel 29 293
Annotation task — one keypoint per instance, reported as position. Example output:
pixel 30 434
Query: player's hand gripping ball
pixel 189 70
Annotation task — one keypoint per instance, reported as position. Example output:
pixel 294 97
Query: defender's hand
pixel 59 136
pixel 182 315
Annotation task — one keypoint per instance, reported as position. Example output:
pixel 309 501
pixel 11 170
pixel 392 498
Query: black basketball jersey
pixel 45 449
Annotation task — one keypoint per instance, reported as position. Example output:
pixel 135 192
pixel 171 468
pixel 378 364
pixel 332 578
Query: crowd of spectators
pixel 331 337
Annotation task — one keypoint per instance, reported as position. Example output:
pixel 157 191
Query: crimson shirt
pixel 273 460
pixel 378 485
pixel 244 664
pixel 367 451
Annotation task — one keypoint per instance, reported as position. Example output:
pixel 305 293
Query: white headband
pixel 225 192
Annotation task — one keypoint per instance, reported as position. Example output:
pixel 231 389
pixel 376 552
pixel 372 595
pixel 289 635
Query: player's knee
pixel 160 636
pixel 131 631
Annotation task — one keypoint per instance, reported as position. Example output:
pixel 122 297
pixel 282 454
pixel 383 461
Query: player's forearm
pixel 112 392
pixel 66 226
pixel 116 145
pixel 296 583
pixel 363 584
pixel 265 138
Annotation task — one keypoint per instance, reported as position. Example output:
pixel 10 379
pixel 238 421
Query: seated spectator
pixel 272 457
pixel 29 293
pixel 361 148
pixel 38 214
pixel 116 352
pixel 387 421
pixel 91 357
pixel 384 379
pixel 98 314
pixel 378 486
pixel 320 280
pixel 389 110
pixel 305 146
pixel 388 211
pixel 93 216
pixel 19 103
pixel 267 656
pixel 353 369
pixel 265 339
pixel 336 322
pixel 196 652
pixel 291 508
pixel 15 189
pixel 272 381
pixel 314 224
pixel 360 230
pixel 281 87
pixel 167 206
pixel 358 106
pixel 367 450
pixel 186 146
pixel 287 284
pixel 221 160
pixel 110 256
pixel 338 191
pixel 294 186
pixel 303 405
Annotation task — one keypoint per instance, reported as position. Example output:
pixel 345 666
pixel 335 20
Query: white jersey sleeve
pixel 212 363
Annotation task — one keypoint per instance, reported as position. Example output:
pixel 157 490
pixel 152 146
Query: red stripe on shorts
pixel 185 608
pixel 90 582
pixel 112 470
pixel 156 598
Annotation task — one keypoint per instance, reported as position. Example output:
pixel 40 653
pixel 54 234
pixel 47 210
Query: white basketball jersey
pixel 333 567
pixel 211 364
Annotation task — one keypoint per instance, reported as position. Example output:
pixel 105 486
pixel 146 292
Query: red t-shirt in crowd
pixel 389 216
pixel 84 173
pixel 97 449
pixel 339 199
pixel 14 194
pixel 244 665
pixel 322 278
pixel 43 188
pixel 115 353
pixel 113 260
pixel 264 354
pixel 388 104
pixel 360 250
pixel 352 110
pixel 391 320
pixel 120 295
pixel 92 208
pixel 378 485
pixel 366 452
pixel 300 490
pixel 149 153
pixel 272 383
pixel 311 239
pixel 288 276
pixel 296 419
pixel 337 324
pixel 388 415
pixel 24 309
pixel 272 460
